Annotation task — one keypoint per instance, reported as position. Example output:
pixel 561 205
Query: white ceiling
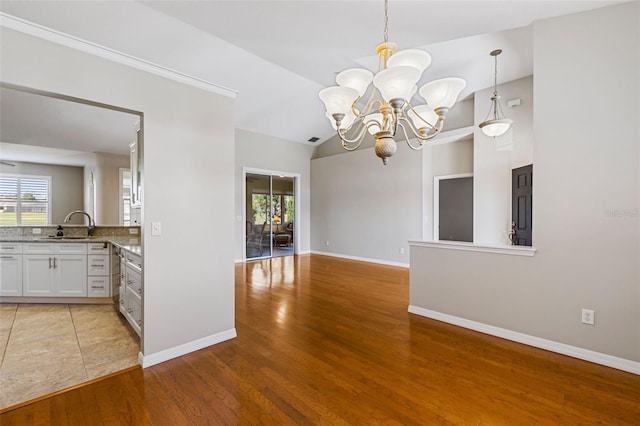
pixel 279 54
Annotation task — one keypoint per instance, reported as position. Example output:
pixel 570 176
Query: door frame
pixel 436 200
pixel 296 203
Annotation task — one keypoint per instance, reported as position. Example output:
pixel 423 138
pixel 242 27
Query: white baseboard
pixel 362 259
pixel 167 354
pixel 561 348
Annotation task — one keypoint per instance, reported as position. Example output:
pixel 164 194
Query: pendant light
pixel 495 124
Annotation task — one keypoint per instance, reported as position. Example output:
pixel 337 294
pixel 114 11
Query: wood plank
pixel 329 341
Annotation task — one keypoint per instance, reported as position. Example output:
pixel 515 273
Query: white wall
pixel 66 186
pixel 586 200
pixel 492 167
pixel 264 152
pixel 364 208
pixel 188 161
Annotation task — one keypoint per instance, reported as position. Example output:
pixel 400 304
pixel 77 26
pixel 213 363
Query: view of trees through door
pixel 270 213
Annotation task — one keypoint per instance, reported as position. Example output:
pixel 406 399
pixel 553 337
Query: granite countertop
pixel 126 243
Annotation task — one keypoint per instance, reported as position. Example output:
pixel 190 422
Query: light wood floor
pixel 329 341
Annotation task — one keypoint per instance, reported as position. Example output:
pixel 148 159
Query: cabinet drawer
pixel 98 287
pixel 37 248
pixel 70 248
pixel 134 281
pixel 98 264
pixel 133 259
pixel 11 248
pixel 98 248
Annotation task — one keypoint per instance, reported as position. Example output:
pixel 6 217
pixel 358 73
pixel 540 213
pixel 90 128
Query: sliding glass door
pixel 270 212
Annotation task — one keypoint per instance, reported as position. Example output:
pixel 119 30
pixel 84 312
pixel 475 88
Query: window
pixel 25 200
pixel 125 197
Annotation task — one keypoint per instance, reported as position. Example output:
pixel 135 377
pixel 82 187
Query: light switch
pixel 156 228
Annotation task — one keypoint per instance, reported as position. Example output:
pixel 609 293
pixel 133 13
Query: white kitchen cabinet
pixel 70 275
pixel 130 290
pixel 54 275
pixel 98 264
pixel 10 269
pixel 54 269
pixel 37 276
pixel 134 156
pixel 98 286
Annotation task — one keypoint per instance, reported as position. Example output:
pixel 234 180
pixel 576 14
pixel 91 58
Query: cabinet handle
pixel 97 286
pixel 139 291
pixel 55 263
pixel 8 248
pixel 6 257
pixel 130 310
pixel 98 266
pixel 49 263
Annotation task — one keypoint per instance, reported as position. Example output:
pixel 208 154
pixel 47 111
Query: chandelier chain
pixel 495 76
pixel 386 21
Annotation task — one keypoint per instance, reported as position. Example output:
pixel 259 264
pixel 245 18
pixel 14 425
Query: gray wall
pixel 263 152
pixel 107 184
pixel 586 194
pixel 364 208
pixel 66 186
pixel 188 160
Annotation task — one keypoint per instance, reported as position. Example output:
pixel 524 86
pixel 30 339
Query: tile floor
pixel 48 347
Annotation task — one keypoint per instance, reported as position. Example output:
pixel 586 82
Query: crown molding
pixel 36 30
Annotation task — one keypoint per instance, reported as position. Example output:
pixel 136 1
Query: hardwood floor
pixel 329 341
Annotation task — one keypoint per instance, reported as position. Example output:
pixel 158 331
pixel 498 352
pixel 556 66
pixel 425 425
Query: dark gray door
pixel 522 205
pixel 455 210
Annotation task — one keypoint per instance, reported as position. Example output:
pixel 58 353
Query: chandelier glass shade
pixel 387 112
pixel 495 124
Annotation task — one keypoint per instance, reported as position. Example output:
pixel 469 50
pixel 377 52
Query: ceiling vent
pixel 314 139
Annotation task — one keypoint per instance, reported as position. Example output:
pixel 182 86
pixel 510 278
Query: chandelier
pixel 388 112
pixel 495 124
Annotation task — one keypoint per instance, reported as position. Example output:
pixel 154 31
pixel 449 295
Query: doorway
pixel 522 206
pixel 453 208
pixel 270 214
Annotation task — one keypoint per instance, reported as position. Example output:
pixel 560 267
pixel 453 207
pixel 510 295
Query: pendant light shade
pixel 442 93
pixel 410 57
pixel 425 117
pixel 495 128
pixel 396 82
pixel 338 100
pixel 355 78
pixel 376 117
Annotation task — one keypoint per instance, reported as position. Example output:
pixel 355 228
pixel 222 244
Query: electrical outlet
pixel 401 250
pixel 588 316
pixel 326 243
pixel 156 228
pixel 133 231
pixel 36 231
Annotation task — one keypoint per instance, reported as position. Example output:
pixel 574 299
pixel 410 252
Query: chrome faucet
pixel 92 224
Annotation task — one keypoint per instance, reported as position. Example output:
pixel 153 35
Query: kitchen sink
pixel 53 237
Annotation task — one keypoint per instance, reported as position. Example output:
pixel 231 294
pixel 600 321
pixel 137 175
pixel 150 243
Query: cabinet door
pixel 70 275
pixel 11 275
pixel 37 275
